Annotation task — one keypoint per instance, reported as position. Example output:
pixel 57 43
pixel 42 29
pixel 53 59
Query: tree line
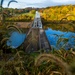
pixel 56 13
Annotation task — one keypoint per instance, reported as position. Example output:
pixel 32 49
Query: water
pixel 16 39
pixel 66 39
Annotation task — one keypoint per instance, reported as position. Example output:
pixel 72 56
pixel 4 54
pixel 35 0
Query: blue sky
pixel 37 3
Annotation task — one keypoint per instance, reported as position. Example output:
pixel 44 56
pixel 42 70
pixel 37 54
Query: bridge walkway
pixel 36 38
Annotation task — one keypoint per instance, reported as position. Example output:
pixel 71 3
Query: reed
pixel 14 27
pixel 55 59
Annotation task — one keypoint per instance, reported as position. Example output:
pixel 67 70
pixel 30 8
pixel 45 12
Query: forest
pixel 55 13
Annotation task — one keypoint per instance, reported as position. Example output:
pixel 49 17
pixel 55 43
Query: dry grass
pixel 24 24
pixel 62 64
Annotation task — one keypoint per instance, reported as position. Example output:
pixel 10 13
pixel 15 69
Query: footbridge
pixel 36 38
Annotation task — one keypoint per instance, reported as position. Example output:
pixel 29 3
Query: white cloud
pixel 37 3
pixel 62 1
pixel 31 1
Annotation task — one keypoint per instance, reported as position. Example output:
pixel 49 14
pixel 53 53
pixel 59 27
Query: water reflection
pixel 59 39
pixel 16 39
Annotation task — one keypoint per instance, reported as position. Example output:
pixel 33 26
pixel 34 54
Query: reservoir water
pixel 57 39
pixel 16 39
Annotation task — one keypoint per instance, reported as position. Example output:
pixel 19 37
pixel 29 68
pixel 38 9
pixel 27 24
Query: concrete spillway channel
pixel 36 38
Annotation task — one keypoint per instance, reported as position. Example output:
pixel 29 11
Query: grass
pixel 57 62
pixel 21 63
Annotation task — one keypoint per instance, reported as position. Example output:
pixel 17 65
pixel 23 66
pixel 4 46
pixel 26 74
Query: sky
pixel 37 3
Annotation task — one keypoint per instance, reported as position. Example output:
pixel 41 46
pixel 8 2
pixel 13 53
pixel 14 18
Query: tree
pixel 32 11
pixel 1 8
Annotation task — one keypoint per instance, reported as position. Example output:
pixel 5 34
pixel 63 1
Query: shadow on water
pixel 59 39
pixel 16 39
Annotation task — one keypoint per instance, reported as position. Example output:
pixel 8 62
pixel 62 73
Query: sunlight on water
pixel 16 39
pixel 54 35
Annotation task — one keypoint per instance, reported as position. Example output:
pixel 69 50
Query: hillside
pixel 55 13
pixel 66 12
